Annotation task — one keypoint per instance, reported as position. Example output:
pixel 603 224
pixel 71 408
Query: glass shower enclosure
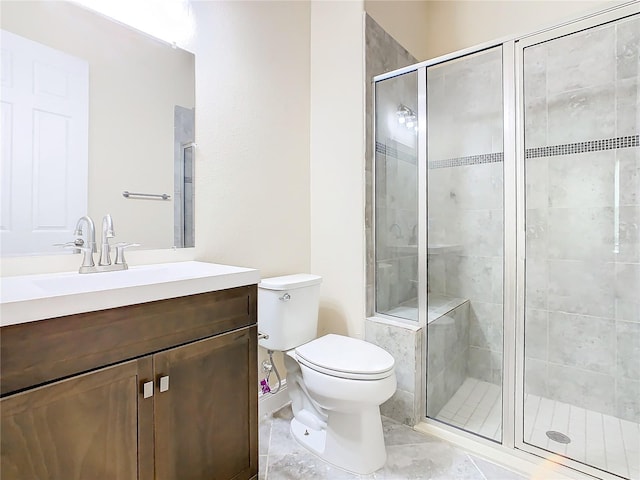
pixel 507 226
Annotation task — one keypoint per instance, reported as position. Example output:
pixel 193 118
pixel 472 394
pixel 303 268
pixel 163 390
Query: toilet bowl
pixel 344 427
pixel 336 383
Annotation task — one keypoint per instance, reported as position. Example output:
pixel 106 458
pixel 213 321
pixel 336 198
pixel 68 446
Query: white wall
pixel 454 25
pixel 252 131
pixel 337 163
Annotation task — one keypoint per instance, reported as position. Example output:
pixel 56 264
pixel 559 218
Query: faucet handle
pixel 77 245
pixel 78 242
pixel 120 260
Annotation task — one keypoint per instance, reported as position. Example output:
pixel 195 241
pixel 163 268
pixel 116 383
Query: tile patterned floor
pixel 603 441
pixel 410 455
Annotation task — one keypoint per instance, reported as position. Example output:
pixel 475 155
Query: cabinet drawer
pixel 38 352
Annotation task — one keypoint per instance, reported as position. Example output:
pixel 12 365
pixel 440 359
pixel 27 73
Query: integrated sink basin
pixel 36 297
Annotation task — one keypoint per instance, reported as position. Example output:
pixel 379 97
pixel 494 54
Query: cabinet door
pixel 84 427
pixel 206 422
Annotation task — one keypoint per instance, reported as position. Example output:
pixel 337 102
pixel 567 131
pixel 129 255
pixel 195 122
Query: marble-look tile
pixel 410 455
pixel 408 278
pixel 536 381
pixel 629 159
pixel 627 48
pixel 480 232
pixel 583 287
pixel 627 399
pixel 401 344
pixel 628 350
pixel 432 460
pixel 396 433
pixel 400 407
pixel 436 271
pixel 627 96
pixel 294 466
pixel 535 71
pixel 282 442
pixel 583 341
pixel 472 277
pixel 582 180
pixel 580 115
pixel 536 332
pixel 477 186
pixel 581 60
pixel 580 233
pixel 262 467
pixel 629 233
pixel 480 364
pixel 627 286
pixel 589 390
pixel 492 471
pixel 537 182
pixel 536 283
pixel 436 395
pixel 485 325
pixel 536 222
pixel 535 121
pixel 264 436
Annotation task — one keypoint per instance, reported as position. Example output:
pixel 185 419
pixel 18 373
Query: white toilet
pixel 336 383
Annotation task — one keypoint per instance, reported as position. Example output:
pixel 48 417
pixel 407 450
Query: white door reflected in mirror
pixel 45 104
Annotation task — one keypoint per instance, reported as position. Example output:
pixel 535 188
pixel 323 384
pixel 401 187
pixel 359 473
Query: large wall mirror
pixel 91 109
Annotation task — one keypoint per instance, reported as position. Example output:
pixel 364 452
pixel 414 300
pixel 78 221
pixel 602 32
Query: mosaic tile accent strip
pixel 398 151
pixel 394 150
pixel 470 160
pixel 583 147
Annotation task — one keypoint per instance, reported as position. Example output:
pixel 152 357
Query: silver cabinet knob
pixel 147 389
pixel 164 383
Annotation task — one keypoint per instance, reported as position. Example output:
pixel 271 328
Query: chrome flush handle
pixel 285 298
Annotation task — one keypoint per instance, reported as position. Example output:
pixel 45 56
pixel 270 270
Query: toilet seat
pixel 346 357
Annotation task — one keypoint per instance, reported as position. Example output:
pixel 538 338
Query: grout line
pixel 266 466
pixel 604 443
pixel 477 467
pixel 624 448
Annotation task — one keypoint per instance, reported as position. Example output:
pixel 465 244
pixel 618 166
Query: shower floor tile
pixel 603 441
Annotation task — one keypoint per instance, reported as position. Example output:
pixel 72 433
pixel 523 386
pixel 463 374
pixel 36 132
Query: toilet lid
pixel 346 357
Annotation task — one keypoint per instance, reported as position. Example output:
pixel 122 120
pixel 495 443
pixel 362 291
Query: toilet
pixel 336 384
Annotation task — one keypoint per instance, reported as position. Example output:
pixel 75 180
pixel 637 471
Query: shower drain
pixel 558 437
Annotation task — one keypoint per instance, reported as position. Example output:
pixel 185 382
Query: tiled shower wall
pixel 448 351
pixel 465 199
pixel 403 341
pixel 582 339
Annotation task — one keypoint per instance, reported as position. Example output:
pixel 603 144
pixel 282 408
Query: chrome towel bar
pixel 163 196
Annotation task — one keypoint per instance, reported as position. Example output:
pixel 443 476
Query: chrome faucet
pixel 107 233
pixel 88 248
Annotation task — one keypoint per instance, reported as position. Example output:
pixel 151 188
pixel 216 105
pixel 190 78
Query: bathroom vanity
pixel 162 386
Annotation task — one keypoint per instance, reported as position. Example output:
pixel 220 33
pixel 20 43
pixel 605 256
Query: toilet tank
pixel 288 310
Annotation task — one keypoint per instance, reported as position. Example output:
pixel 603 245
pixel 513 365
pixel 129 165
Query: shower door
pixel 465 242
pixel 580 362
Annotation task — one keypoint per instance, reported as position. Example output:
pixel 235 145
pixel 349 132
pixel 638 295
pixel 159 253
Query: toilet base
pixel 352 442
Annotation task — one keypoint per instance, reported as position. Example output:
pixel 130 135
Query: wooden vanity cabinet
pixel 196 418
pixel 84 427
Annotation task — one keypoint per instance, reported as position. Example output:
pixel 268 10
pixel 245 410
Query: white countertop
pixel 36 297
